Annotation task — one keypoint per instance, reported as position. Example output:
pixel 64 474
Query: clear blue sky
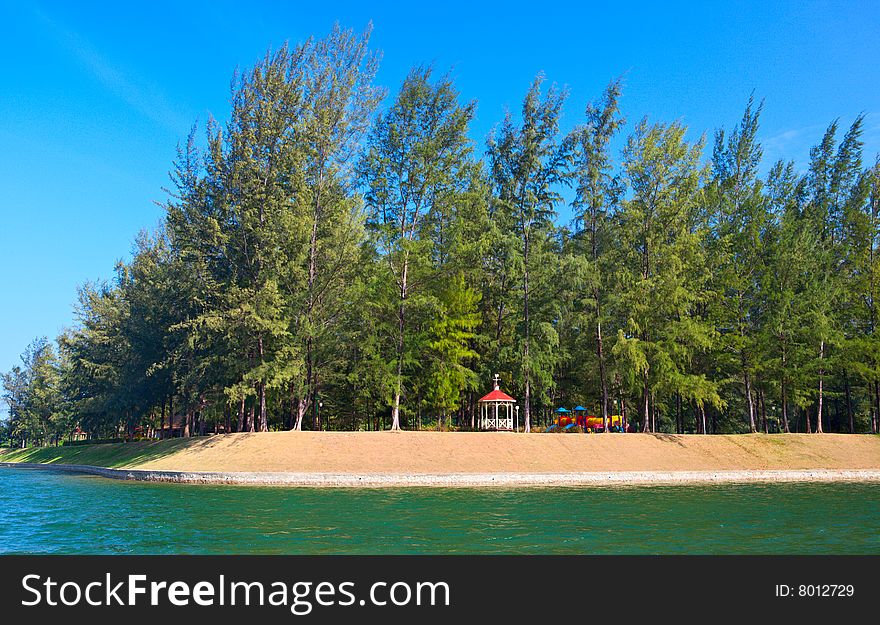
pixel 96 96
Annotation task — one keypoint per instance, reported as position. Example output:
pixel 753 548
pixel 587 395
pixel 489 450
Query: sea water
pixel 53 512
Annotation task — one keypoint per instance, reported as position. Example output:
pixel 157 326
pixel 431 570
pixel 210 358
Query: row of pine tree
pixel 329 264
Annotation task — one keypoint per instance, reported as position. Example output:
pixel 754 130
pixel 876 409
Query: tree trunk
pixel 784 401
pixel 597 297
pixel 602 375
pixel 876 407
pixel 291 418
pixel 264 417
pixel 849 407
pixel 249 426
pixel 527 400
pixel 316 409
pixel 261 390
pixel 679 425
pixel 821 382
pixel 310 391
pixel 302 406
pixel 401 326
pixel 308 395
pixel 763 408
pixel 645 409
pixel 749 400
pixel 875 422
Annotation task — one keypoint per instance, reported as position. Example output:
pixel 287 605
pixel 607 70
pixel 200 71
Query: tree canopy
pixel 334 259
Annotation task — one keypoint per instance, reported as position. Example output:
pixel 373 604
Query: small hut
pixel 497 409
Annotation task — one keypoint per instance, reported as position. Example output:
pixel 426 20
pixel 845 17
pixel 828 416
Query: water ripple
pixel 45 512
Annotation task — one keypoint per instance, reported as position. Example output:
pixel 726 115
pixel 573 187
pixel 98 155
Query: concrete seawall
pixel 463 480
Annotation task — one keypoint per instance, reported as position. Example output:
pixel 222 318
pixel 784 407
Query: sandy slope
pixel 432 453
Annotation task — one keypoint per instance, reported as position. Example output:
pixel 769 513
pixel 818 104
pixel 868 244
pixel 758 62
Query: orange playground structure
pixel 568 419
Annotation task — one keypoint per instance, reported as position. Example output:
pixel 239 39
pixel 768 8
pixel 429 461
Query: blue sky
pixel 95 97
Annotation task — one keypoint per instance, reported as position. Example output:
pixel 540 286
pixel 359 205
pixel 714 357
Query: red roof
pixel 497 395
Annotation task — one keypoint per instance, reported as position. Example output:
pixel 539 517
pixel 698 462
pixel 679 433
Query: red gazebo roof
pixel 497 395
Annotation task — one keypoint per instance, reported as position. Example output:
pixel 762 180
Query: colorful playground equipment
pixel 568 419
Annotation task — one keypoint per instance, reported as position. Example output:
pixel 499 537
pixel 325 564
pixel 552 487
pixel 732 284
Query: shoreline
pixel 462 480
pixel 429 459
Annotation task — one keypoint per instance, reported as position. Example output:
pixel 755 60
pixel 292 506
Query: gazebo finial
pixel 497 380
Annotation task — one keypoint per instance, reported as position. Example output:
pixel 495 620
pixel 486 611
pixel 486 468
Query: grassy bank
pixel 113 455
pixel 442 453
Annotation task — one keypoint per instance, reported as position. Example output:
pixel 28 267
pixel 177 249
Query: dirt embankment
pixel 471 452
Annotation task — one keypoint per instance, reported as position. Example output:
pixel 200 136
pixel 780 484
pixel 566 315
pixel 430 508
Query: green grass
pixel 112 455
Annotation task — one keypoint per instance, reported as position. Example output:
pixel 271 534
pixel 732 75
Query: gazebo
pixel 497 409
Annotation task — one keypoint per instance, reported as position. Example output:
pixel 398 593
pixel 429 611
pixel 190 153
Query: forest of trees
pixel 336 257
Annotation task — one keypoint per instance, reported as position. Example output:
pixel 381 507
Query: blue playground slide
pixel 551 428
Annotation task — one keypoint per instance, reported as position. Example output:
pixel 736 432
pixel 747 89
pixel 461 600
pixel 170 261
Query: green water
pixel 47 512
